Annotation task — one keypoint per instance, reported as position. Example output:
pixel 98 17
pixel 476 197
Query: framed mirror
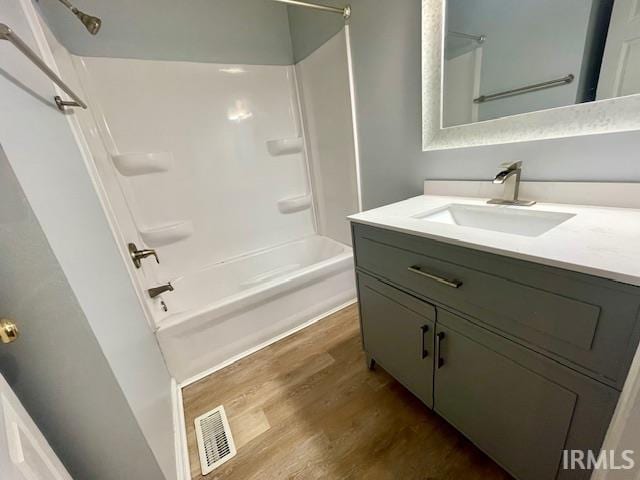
pixel 499 71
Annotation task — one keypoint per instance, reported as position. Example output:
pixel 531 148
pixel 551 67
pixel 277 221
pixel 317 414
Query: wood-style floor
pixel 307 407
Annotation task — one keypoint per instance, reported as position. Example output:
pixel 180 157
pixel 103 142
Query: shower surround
pixel 212 165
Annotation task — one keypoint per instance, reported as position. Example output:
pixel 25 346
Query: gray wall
pixel 56 367
pixel 386 55
pixel 220 31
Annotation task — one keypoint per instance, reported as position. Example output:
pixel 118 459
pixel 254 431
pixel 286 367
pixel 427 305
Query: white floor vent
pixel 215 442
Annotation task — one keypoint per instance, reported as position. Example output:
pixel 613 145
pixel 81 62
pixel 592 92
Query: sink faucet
pixel 155 291
pixel 509 176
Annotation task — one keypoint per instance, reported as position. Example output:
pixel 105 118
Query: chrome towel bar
pixel 475 38
pixel 7 34
pixel 529 88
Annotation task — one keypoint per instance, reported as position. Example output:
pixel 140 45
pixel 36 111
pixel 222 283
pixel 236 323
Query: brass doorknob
pixel 8 331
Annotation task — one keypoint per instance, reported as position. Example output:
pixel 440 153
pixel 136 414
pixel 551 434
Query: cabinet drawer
pixel 586 322
pixel 519 407
pixel 398 333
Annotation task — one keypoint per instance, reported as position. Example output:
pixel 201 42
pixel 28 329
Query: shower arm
pixel 91 23
pixel 69 5
pixel 344 11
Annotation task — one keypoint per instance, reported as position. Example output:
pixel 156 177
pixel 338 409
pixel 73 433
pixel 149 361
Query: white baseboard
pixel 180 432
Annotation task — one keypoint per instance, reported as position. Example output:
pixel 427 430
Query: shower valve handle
pixel 138 255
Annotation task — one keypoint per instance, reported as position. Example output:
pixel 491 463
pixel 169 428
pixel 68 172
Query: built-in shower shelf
pixel 285 146
pixel 294 204
pixel 167 234
pixel 132 164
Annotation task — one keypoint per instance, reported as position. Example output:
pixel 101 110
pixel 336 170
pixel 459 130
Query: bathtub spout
pixel 155 291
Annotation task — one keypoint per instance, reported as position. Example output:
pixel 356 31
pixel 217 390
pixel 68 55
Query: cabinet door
pixel 518 417
pixel 398 333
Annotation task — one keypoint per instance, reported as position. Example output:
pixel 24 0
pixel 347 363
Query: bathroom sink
pixel 518 221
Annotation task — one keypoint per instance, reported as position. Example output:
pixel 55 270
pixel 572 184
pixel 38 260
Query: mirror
pixel 602 95
pixel 504 58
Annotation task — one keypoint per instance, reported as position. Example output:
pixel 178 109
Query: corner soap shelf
pixel 167 234
pixel 294 204
pixel 133 164
pixel 285 146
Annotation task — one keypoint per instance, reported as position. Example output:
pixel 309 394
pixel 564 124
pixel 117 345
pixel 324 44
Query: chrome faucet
pixel 137 255
pixel 155 291
pixel 509 176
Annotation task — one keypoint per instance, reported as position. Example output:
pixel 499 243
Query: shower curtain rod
pixel 344 11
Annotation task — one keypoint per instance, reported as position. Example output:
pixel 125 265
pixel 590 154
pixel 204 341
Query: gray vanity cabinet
pixel 399 330
pixel 515 405
pixel 503 406
pixel 587 323
pixel 523 377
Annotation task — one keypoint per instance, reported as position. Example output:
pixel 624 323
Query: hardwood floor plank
pixel 247 426
pixel 307 407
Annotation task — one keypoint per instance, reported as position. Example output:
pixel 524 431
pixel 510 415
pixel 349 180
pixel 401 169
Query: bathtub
pixel 228 310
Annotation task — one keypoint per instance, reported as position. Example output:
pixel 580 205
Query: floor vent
pixel 215 442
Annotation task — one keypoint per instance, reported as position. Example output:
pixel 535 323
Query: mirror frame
pixel 602 116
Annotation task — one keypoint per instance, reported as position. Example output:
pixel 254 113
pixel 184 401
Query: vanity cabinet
pixel 524 360
pixel 399 330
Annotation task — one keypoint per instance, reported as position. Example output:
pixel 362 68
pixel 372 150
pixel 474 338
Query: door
pixel 620 71
pixel 518 417
pixel 24 452
pixel 397 331
pixel 461 86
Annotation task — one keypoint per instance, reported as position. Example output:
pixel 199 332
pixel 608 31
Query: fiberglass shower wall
pixel 206 141
pixel 197 161
pixel 212 157
pixel 323 79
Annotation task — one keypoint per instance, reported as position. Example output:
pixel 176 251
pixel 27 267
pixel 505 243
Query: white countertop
pixel 600 241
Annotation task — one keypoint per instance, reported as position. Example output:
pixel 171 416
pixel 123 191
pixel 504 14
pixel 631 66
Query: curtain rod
pixel 344 11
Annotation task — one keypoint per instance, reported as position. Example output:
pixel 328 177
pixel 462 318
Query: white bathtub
pixel 223 312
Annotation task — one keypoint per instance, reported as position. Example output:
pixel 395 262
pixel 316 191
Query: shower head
pixel 91 23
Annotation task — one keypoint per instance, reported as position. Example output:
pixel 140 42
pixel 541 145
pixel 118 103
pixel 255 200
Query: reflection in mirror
pixel 504 58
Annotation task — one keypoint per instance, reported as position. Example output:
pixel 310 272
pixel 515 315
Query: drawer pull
pixel 425 352
pixel 449 283
pixel 440 336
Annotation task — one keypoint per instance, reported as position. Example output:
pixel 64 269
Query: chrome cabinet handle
pixel 439 337
pixel 453 283
pixel 424 329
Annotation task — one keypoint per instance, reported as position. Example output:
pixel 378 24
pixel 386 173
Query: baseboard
pixel 253 350
pixel 183 466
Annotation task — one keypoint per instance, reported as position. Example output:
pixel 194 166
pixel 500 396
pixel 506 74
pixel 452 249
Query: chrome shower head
pixel 91 23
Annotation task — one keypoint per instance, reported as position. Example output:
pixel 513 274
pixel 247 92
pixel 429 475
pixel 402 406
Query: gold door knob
pixel 8 331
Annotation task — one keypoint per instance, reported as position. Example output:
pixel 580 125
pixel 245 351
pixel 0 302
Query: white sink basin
pixel 518 221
